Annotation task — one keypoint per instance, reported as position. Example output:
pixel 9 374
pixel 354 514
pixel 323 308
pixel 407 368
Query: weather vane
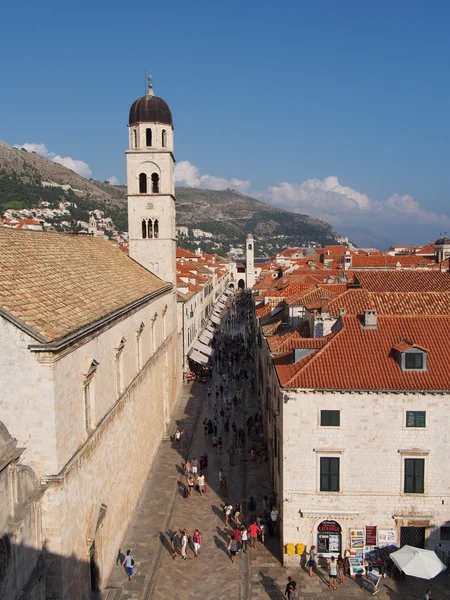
pixel 150 84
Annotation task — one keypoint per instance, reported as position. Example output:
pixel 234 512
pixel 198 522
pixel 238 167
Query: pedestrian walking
pixel 253 531
pixel 177 435
pixel 201 484
pixel 224 487
pixel 205 425
pixel 210 427
pixel 231 455
pixel 340 565
pixel 227 508
pixel 190 485
pixel 187 467
pixel 184 543
pixel 197 540
pixel 312 560
pixel 332 572
pixel 237 513
pixel 128 563
pixel 233 548
pixel 194 466
pixel 290 588
pixel 174 543
pixel 244 538
pixel 219 445
pixel 214 443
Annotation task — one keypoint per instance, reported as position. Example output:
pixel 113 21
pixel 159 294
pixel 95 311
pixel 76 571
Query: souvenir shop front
pixel 329 538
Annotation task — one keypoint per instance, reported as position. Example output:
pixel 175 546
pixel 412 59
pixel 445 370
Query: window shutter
pixel 334 474
pixel 419 475
pixel 409 475
pixel 324 474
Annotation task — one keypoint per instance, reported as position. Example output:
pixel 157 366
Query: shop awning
pixel 204 339
pixel 221 303
pixel 208 334
pixel 210 328
pixel 215 319
pixel 228 292
pixel 203 348
pixel 198 357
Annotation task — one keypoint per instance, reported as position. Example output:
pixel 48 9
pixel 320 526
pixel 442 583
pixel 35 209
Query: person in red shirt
pixel 253 531
pixel 236 534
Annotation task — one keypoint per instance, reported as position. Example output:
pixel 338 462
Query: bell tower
pixel 250 261
pixel 151 186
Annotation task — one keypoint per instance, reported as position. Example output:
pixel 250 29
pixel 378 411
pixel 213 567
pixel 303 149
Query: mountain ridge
pixel 26 177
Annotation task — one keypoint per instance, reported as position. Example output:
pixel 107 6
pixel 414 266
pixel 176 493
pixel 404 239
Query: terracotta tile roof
pixel 356 301
pixel 288 341
pixel 404 281
pixel 185 254
pixel 388 261
pixel 263 310
pixel 363 359
pixel 57 283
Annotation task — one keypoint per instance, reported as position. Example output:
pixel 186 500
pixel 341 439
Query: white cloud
pixel 189 175
pixel 341 205
pixel 79 166
pixel 113 180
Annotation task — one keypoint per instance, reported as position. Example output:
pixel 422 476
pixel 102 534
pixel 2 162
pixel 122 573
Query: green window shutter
pixel 330 418
pixel 324 474
pixel 409 476
pixel 334 474
pixel 419 469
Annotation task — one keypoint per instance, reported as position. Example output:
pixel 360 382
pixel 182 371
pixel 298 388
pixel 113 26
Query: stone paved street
pixel 258 575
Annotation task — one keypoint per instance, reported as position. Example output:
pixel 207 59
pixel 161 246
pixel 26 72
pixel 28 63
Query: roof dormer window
pixel 411 357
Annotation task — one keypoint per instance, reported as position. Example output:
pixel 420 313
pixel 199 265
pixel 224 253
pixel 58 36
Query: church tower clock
pixel 151 186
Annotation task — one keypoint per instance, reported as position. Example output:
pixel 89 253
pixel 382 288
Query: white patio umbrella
pixel 418 562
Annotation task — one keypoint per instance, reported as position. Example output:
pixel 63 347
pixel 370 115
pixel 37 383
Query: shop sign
pixel 329 527
pixel 371 535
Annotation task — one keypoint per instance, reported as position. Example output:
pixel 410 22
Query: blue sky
pixel 334 109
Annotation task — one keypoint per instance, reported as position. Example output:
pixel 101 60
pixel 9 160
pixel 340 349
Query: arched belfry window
pixel 249 246
pixel 142 183
pixel 164 138
pixel 155 228
pixel 144 228
pixel 155 183
pixel 148 137
pixel 150 229
pixel 135 138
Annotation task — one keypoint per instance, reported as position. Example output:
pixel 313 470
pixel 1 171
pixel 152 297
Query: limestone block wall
pixel 122 352
pixel 27 398
pixel 372 443
pixel 111 469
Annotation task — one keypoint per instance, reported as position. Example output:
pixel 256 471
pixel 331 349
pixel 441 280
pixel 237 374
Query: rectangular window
pixel 445 534
pixel 87 405
pixel 415 418
pixel 414 360
pixel 329 474
pixel 330 418
pixel 414 475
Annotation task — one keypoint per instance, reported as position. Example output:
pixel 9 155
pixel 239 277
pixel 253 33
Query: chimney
pixel 342 311
pixel 370 319
pixel 323 303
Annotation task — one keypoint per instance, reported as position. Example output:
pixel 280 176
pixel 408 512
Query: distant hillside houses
pixel 183 231
pixel 59 218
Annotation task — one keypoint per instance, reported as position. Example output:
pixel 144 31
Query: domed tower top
pixel 150 109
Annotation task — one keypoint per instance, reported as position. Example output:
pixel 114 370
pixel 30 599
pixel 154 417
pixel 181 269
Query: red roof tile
pixel 363 359
pixel 404 281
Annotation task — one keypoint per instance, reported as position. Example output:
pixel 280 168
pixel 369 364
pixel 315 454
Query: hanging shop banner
pixel 371 535
pixel 387 537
